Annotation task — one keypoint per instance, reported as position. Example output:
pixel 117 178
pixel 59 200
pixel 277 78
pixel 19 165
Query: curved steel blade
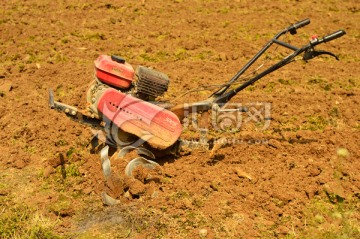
pixel 107 200
pixel 140 161
pixel 125 151
pixel 146 152
pixel 105 161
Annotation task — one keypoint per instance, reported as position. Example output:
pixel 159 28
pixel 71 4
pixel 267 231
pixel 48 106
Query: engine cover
pixel 114 71
pixel 157 126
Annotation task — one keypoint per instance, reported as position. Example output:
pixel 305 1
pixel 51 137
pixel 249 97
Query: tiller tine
pixel 145 152
pixel 107 200
pixel 105 162
pixel 140 161
pixel 124 151
pixel 140 151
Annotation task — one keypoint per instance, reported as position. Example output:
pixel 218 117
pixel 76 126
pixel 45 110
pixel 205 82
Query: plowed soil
pixel 262 184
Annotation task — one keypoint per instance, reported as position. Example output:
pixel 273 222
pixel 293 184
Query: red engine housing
pixel 114 71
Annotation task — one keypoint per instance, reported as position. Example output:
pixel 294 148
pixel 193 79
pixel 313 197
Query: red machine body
pixel 114 72
pixel 157 126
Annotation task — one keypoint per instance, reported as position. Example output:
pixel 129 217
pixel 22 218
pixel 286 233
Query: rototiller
pixel 123 101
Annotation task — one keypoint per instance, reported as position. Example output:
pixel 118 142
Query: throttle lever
pixel 311 53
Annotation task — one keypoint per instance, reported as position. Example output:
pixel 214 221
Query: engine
pixel 150 84
pixel 126 98
pixel 143 83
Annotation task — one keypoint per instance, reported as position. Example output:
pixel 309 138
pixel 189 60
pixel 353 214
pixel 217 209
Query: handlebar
pixel 292 28
pixel 222 95
pixel 328 38
pixel 333 35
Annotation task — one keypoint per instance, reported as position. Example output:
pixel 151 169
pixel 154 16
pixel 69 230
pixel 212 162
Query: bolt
pixel 73 112
pixel 67 110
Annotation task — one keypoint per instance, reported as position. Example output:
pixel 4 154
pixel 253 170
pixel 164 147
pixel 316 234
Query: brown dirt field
pixel 267 184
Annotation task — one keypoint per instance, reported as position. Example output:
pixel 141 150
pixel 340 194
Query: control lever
pixel 311 53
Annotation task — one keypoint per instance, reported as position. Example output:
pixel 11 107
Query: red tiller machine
pixel 122 101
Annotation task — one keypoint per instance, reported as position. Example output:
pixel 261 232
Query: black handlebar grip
pixel 334 35
pixel 301 23
pixel 292 28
